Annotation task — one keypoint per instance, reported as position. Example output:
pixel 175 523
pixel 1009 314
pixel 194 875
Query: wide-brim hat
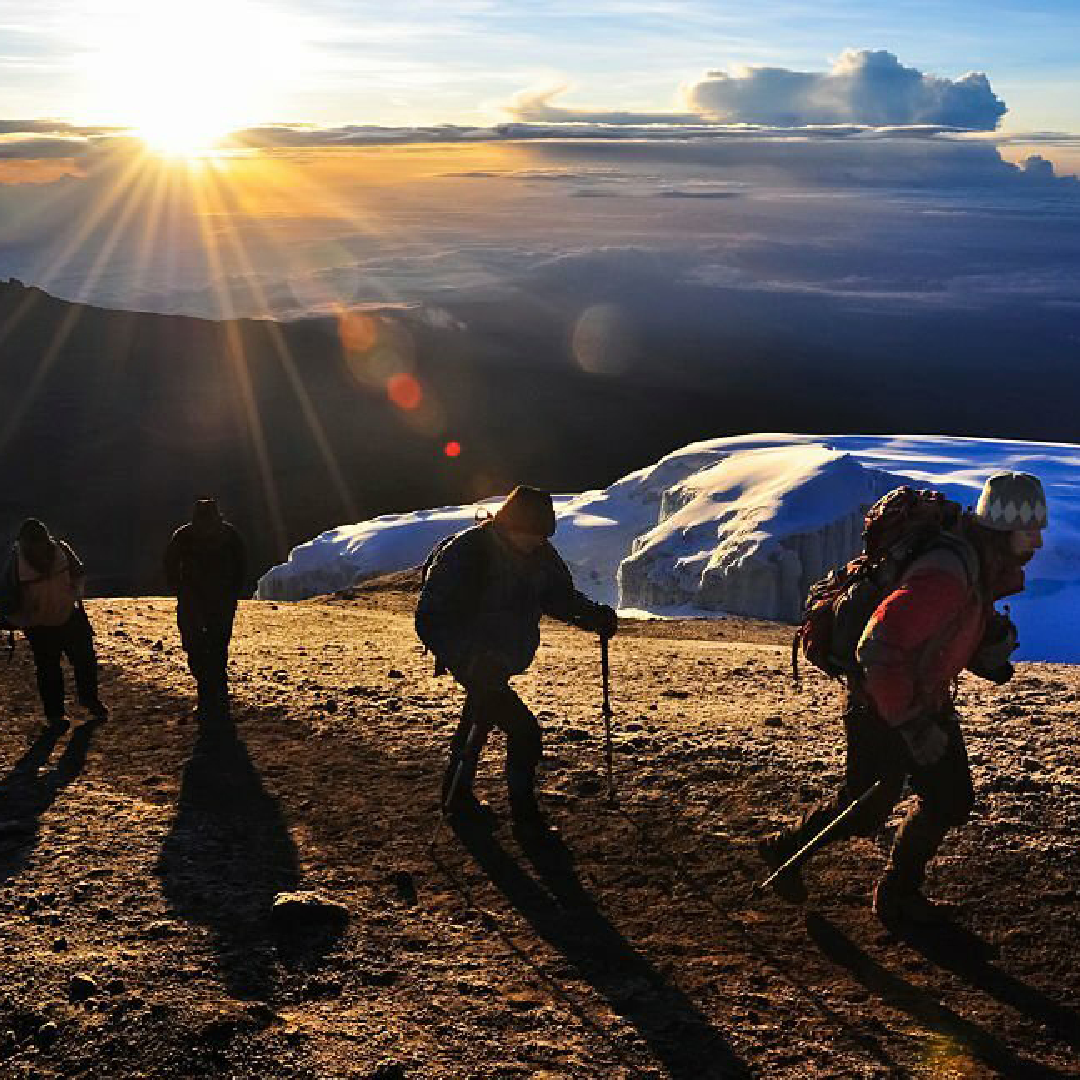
pixel 1010 501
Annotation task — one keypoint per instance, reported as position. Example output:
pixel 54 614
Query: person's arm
pixel 894 640
pixel 563 602
pixel 173 562
pixel 76 570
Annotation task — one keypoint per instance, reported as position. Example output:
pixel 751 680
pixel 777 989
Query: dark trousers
pixel 49 644
pixel 205 633
pixel 876 752
pixel 497 707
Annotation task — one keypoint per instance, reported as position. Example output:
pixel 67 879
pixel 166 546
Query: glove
pixel 992 658
pixel 926 740
pixel 604 621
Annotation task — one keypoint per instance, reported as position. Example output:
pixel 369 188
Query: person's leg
pixel 191 623
pixel 524 748
pixel 78 638
pixel 871 756
pixel 945 798
pixel 47 647
pixel 218 634
pixel 466 747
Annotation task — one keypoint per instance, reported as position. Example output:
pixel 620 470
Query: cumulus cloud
pixel 864 87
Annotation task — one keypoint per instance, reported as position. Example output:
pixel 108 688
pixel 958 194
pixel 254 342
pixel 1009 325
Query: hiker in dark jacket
pixel 206 567
pixel 479 613
pixel 43 587
pixel 899 720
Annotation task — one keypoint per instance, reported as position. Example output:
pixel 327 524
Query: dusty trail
pixel 146 855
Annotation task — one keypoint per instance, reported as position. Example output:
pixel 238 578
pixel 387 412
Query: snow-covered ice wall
pixel 742 525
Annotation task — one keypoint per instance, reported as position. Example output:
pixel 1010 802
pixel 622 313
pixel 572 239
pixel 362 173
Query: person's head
pixel 1012 510
pixel 35 542
pixel 205 515
pixel 526 519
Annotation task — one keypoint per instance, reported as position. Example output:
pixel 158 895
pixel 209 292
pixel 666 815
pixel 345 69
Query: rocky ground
pixel 140 860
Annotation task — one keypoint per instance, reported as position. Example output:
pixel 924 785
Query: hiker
pixel 206 567
pixel 42 589
pixel 479 613
pixel 937 620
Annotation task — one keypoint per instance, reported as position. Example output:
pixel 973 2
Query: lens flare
pixel 452 449
pixel 404 391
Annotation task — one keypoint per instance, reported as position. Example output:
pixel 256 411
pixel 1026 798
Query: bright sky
pixel 360 61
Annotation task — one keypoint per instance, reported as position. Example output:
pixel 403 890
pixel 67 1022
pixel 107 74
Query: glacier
pixel 740 525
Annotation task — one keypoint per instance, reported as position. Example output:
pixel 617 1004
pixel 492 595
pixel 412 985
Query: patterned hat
pixel 1012 501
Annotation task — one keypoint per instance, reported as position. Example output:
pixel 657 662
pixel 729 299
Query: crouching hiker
pixel 42 588
pixel 935 619
pixel 479 613
pixel 206 566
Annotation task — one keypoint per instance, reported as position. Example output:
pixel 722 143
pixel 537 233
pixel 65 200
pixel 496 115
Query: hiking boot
pixel 896 904
pixel 99 712
pixel 774 851
pixel 530 825
pixel 467 807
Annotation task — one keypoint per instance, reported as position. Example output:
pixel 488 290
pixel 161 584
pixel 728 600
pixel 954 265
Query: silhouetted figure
pixel 205 566
pixel 42 588
pixel 479 613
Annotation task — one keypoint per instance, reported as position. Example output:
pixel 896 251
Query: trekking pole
pixel 455 781
pixel 813 844
pixel 605 669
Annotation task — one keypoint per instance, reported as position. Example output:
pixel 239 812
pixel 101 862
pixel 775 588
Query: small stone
pixel 115 986
pixel 387 1070
pixel 405 886
pixel 82 987
pixel 60 944
pixel 774 721
pixel 47 1034
pixel 393 673
pixel 158 645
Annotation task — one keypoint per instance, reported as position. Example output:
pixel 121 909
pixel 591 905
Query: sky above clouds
pixel 873 155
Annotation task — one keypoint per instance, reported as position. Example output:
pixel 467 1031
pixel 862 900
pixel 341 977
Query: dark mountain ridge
pixel 112 422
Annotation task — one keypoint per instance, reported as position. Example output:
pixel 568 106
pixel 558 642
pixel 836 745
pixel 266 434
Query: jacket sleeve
pixel 173 562
pixel 561 600
pixel 892 644
pixel 444 609
pixel 76 570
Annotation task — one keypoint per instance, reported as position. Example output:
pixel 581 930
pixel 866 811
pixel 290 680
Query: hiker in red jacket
pixel 42 587
pixel 900 722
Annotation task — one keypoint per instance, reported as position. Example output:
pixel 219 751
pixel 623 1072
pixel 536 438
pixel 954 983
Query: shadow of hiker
pixel 227 856
pixel 565 915
pixel 967 955
pixel 26 792
pixel 968 1037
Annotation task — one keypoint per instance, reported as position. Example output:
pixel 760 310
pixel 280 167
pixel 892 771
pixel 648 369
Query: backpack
pixel 899 528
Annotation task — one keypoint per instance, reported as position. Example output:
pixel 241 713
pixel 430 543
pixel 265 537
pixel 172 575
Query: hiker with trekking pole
pixel 484 592
pixel 41 590
pixel 898 625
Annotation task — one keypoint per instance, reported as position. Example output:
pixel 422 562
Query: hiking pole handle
pixel 817 841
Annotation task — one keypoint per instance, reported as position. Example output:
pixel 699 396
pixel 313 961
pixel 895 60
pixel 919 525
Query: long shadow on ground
pixel 228 854
pixel 968 1038
pixel 27 792
pixel 565 915
pixel 964 953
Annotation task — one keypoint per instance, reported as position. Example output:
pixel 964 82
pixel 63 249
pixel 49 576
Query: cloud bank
pixel 864 87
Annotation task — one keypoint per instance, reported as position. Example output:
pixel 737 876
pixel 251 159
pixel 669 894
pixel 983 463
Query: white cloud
pixel 864 87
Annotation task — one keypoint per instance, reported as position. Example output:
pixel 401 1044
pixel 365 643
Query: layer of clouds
pixel 863 87
pixel 535 107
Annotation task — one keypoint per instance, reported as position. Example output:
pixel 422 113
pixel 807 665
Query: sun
pixel 182 76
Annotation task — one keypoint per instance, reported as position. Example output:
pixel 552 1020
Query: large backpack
pixel 899 528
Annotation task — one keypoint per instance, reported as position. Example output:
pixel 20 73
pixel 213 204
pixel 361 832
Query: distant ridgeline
pixel 112 422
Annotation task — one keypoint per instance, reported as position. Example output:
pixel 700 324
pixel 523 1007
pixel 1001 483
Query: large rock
pixel 304 910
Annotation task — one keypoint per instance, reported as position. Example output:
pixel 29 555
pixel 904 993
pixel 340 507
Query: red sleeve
pixel 901 625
